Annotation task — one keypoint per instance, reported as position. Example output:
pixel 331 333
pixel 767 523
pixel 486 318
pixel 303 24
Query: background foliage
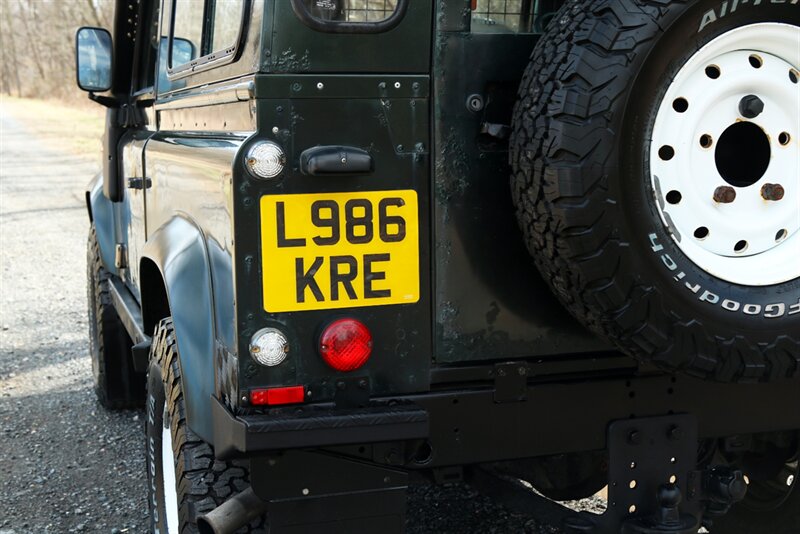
pixel 37 57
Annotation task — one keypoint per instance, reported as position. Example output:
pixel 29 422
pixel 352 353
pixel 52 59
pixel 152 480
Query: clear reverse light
pixel 265 160
pixel 269 347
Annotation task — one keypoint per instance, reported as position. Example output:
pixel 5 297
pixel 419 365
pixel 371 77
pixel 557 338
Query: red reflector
pixel 346 344
pixel 273 396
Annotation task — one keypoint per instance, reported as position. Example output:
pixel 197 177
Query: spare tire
pixel 656 159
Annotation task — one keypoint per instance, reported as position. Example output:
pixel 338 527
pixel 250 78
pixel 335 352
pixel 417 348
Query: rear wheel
pixel 184 478
pixel 116 383
pixel 657 179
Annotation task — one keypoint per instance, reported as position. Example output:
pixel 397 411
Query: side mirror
pixel 93 59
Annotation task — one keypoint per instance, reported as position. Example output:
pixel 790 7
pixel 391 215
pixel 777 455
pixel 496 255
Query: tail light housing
pixel 345 344
pixel 278 396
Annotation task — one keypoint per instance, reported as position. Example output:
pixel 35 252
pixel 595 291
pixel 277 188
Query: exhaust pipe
pixel 233 514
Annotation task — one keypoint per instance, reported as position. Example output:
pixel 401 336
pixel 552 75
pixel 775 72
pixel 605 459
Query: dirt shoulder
pixel 69 127
pixel 66 465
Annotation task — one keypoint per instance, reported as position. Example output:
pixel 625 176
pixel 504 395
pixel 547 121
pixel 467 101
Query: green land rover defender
pixel 340 246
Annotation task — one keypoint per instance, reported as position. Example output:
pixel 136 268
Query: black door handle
pixel 324 160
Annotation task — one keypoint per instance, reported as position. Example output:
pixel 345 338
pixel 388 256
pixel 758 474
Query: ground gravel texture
pixel 68 465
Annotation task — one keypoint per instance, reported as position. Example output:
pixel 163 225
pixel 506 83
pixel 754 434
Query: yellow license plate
pixel 337 250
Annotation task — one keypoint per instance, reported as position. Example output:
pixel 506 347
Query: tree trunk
pixel 10 45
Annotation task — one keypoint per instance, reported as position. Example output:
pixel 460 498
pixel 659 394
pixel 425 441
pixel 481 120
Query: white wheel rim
pixel 168 467
pixel 750 240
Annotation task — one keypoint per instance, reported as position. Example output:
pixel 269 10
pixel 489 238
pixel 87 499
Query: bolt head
pixel 724 194
pixel 772 192
pixel 751 106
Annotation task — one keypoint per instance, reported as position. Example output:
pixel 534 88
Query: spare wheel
pixel 656 159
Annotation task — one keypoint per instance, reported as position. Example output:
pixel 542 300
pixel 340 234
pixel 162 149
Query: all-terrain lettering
pixel 730 6
pixel 769 311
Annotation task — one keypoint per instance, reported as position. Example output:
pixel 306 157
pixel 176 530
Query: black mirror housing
pixel 93 59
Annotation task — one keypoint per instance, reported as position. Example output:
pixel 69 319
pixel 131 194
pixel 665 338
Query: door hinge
pixel 121 256
pixel 138 182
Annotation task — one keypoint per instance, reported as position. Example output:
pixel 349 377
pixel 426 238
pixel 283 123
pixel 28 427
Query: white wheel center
pixel 725 156
pixel 168 468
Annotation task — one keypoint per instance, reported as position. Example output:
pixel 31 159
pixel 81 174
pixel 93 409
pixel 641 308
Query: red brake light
pixel 274 396
pixel 345 344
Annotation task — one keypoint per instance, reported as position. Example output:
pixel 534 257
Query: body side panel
pixel 189 212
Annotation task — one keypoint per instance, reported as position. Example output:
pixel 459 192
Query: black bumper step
pixel 304 427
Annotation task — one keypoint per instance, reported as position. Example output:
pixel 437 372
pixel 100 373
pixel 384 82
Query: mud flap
pixel 314 492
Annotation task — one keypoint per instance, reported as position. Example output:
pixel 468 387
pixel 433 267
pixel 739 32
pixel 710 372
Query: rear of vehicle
pixel 336 292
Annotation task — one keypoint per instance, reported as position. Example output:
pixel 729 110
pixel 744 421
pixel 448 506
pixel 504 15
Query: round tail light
pixel 345 344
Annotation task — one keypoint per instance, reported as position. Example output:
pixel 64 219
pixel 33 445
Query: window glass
pixel 351 10
pixel 188 29
pixel 512 16
pixel 227 18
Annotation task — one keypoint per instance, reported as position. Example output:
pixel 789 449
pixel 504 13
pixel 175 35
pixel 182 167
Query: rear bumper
pixel 315 426
pixel 492 423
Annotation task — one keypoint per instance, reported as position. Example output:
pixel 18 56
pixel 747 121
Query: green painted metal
pixel 399 95
pixel 297 48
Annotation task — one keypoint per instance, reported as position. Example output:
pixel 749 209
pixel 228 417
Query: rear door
pixel 349 77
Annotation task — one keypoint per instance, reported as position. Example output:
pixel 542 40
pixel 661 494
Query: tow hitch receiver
pixel 654 485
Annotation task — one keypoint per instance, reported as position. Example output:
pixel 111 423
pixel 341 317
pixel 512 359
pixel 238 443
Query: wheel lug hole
pixel 794 75
pixel 755 61
pixel 706 141
pixel 781 235
pixel 740 246
pixel 784 138
pixel 680 105
pixel 713 72
pixel 674 197
pixel 666 152
pixel 701 232
pixel 724 194
pixel 773 192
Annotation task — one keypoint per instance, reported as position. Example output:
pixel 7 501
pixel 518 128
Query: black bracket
pixel 510 382
pixel 107 101
pixel 141 355
pixel 352 392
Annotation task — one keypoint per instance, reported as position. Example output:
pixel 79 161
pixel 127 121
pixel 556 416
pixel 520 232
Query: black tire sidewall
pixel 655 256
pixel 92 284
pixel 156 398
pixel 116 382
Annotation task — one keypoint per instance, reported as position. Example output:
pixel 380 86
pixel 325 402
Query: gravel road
pixel 68 465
